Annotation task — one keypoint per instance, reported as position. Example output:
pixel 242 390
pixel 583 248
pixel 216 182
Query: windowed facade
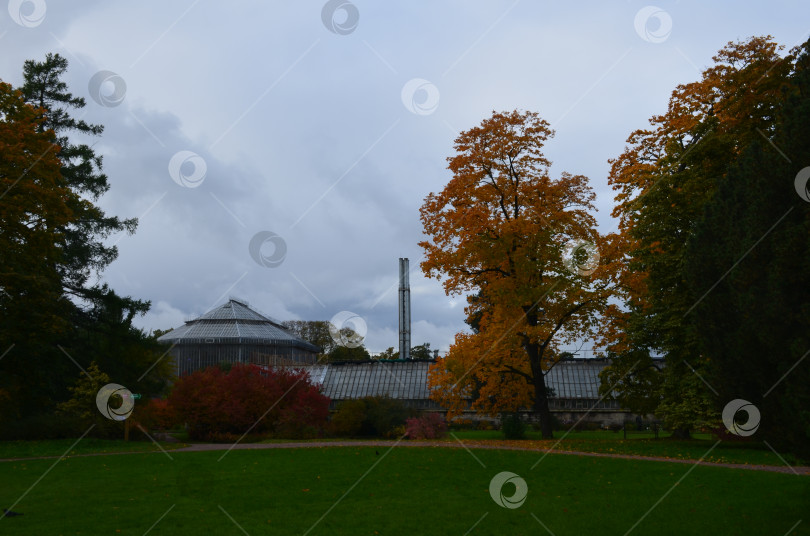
pixel 235 333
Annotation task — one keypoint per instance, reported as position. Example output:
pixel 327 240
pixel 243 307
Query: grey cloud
pixel 280 109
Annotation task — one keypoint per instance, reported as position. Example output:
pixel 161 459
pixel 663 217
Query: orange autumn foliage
pixel 500 228
pixel 34 209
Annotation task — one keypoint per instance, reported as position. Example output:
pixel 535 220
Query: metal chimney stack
pixel 404 311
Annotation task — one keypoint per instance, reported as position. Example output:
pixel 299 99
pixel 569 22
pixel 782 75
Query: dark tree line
pixel 53 233
pixel 718 242
pixel 317 332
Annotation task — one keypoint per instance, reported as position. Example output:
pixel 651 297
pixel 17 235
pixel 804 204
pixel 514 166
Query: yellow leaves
pixel 473 369
pixel 498 228
pixel 655 247
pixel 726 92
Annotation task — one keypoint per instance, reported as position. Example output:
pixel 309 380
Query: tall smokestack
pixel 404 311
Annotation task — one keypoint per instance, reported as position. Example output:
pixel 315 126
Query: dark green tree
pixel 34 313
pixel 636 379
pixel 389 353
pixel 422 351
pixel 84 252
pixel 664 179
pixel 54 317
pixel 747 265
pixel 312 331
pixel 349 353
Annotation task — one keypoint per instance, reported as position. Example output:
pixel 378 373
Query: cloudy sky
pixel 315 130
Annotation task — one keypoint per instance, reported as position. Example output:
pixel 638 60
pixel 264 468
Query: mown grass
pixel 741 452
pixel 351 491
pixel 638 444
pixel 59 447
pixel 585 434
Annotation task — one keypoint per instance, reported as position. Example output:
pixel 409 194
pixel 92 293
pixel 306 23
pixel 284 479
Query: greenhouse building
pixel 235 333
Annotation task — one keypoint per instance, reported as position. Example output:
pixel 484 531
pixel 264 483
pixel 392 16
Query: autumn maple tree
pixel 525 246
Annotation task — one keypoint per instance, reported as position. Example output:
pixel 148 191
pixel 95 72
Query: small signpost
pixel 135 396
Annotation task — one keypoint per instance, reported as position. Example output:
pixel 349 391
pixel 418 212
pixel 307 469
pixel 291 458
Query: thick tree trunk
pixel 540 391
pixel 681 433
pixel 541 406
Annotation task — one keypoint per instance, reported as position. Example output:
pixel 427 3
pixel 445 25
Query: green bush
pixel 347 421
pixel 375 416
pixel 513 426
pixel 384 414
pixel 44 426
pixel 82 409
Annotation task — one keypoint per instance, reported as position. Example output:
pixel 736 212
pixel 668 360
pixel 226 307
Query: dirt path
pixel 205 447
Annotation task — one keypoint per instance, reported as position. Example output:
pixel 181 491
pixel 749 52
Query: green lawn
pixel 754 452
pixel 405 491
pixel 59 447
pixel 595 441
pixel 589 434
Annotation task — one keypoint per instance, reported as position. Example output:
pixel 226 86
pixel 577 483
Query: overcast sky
pixel 317 129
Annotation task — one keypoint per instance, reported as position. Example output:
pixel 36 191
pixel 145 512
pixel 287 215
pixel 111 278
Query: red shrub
pixel 428 426
pixel 155 414
pixel 248 399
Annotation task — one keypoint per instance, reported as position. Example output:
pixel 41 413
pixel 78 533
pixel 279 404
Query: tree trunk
pixel 681 433
pixel 540 392
pixel 541 406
